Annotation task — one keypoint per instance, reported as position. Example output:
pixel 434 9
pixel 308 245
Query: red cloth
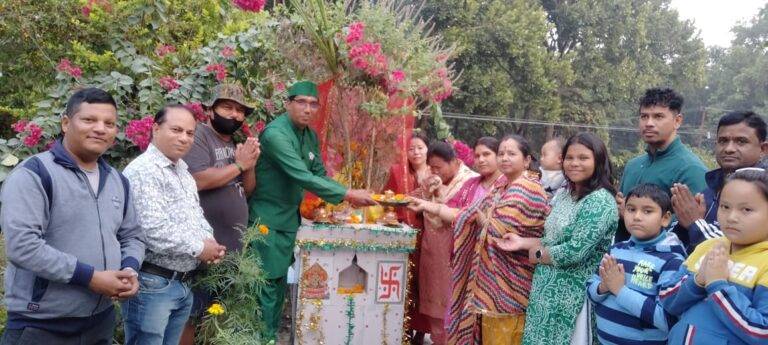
pixel 340 106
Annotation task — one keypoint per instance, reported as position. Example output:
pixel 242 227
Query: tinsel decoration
pixel 350 319
pixel 374 229
pixel 315 321
pixel 384 325
pixel 327 245
pixel 409 305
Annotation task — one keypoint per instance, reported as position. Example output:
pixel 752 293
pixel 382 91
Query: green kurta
pixel 290 163
pixel 577 234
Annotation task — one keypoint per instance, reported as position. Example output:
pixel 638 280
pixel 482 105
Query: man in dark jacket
pixel 740 144
pixel 71 234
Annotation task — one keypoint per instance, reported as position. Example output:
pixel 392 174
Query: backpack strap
pixel 126 191
pixel 36 166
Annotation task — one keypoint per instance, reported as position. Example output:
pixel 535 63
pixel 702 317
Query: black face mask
pixel 224 125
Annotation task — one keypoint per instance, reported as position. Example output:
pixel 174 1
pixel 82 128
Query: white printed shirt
pixel 168 209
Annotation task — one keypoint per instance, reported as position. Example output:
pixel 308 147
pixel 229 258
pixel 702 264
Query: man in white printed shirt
pixel 178 236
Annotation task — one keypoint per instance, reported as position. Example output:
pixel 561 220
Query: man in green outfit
pixel 289 164
pixel 667 161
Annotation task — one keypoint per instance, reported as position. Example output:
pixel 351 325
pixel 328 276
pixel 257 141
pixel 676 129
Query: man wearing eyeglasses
pixel 290 163
pixel 740 145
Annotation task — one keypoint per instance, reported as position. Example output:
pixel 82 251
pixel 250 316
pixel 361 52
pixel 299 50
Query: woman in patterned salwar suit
pixel 443 188
pixel 408 179
pixel 490 286
pixel 577 233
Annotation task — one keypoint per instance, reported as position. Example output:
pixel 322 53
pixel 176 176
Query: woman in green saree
pixel 577 232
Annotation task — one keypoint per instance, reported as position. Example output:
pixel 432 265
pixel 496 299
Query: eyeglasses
pixel 314 105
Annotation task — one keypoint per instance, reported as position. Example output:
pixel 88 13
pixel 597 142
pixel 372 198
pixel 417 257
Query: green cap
pixel 303 88
pixel 230 92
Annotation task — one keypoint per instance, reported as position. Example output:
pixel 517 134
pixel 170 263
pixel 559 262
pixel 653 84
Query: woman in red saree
pixel 406 179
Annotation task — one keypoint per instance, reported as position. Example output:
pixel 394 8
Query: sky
pixel 716 17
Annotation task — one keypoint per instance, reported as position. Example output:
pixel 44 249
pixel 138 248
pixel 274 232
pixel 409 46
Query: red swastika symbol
pixel 389 282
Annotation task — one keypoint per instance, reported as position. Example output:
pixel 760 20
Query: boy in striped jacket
pixel 721 292
pixel 625 290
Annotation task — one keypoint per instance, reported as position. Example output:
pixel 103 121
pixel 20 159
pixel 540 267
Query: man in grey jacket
pixel 72 238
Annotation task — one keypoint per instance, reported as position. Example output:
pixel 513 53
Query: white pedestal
pixel 326 263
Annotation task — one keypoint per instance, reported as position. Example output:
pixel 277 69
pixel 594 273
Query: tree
pixel 738 76
pixel 507 70
pixel 581 61
pixel 619 48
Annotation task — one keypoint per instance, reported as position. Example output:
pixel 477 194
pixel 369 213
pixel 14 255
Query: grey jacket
pixel 58 231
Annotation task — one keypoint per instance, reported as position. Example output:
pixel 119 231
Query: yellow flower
pixel 263 229
pixel 216 309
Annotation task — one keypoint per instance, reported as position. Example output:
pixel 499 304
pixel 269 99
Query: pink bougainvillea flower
pixel 356 31
pixel 88 8
pixel 270 106
pixel 139 132
pixel 164 50
pixel 250 5
pixel 464 152
pixel 442 72
pixel 246 130
pixel 168 83
pixel 67 67
pixel 34 133
pixel 259 126
pixel 445 91
pixel 280 86
pixel 397 76
pixel 19 126
pixel 369 58
pixel 360 64
pixel 219 69
pixel 227 52
pixel 197 109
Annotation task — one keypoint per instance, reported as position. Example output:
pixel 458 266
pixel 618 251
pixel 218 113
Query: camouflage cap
pixel 230 92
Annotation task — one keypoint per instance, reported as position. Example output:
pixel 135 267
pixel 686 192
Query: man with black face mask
pixel 224 173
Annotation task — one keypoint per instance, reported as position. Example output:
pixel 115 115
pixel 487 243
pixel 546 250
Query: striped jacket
pixel 725 312
pixel 635 316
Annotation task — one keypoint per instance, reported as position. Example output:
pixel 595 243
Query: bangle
pixel 239 167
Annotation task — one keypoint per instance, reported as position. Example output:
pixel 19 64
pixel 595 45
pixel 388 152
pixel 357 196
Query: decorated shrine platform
pixel 353 283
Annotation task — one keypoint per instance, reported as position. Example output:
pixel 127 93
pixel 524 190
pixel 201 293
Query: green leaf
pixel 44 103
pixel 139 66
